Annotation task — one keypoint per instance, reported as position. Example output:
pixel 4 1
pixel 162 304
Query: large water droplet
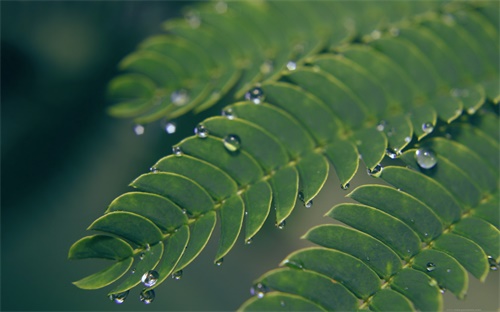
pixel 256 95
pixel 291 66
pixel 177 275
pixel 170 127
pixel 177 151
pixel 119 298
pixel 221 7
pixel 345 186
pixel 430 267
pixel 259 290
pixel 425 158
pixel 219 262
pixel 281 225
pixel 228 113
pixel 139 129
pixel 375 172
pixel 150 278
pixel 427 127
pixel 147 296
pixel 493 264
pixel 179 97
pixel 201 131
pixel 232 143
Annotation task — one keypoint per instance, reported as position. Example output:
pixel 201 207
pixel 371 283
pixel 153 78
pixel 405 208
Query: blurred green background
pixel 63 160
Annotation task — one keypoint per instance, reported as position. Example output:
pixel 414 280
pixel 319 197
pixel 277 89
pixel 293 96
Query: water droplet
pixel 221 7
pixel 141 256
pixel 228 113
pixel 425 158
pixel 309 204
pixel 408 139
pixel 267 67
pixel 132 271
pixel 179 97
pixel 345 186
pixel 150 278
pixel 249 241
pixel 256 95
pixel 154 170
pixel 281 225
pixel 232 143
pixel 148 247
pixel 170 127
pixel 381 125
pixel 376 34
pixel 393 31
pixel 193 19
pixel 291 65
pixel 448 270
pixel 433 282
pixel 430 266
pixel 442 290
pixel 375 172
pixel 427 127
pixel 259 290
pixel 139 129
pixel 201 131
pixel 177 151
pixel 493 264
pixel 119 298
pixel 147 296
pixel 390 153
pixel 293 264
pixel 219 262
pixel 177 275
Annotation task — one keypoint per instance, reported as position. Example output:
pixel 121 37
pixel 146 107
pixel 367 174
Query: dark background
pixel 63 160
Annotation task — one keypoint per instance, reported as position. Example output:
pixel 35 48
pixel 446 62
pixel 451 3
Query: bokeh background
pixel 63 160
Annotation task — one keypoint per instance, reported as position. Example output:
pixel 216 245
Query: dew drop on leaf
pixel 375 172
pixel 430 267
pixel 147 296
pixel 228 113
pixel 177 151
pixel 132 271
pixel 201 131
pixel 232 142
pixel 259 290
pixel 291 66
pixel 425 158
pixel 177 275
pixel 179 97
pixel 427 127
pixel 141 256
pixel 154 170
pixel 256 95
pixel 293 264
pixel 119 298
pixel 150 278
pixel 391 154
pixel 139 129
pixel 408 139
pixel 345 186
pixel 219 262
pixel 281 225
pixel 493 264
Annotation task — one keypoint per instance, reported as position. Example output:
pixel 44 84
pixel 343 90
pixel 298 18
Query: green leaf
pixel 344 157
pixel 285 187
pixel 313 171
pixel 106 276
pixel 277 301
pixel 231 212
pixel 390 300
pixel 481 232
pixel 100 246
pixel 258 204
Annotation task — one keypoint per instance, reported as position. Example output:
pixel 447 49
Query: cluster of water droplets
pixel 302 199
pixel 426 159
pixel 256 95
pixel 232 143
pixel 259 290
pixel 376 171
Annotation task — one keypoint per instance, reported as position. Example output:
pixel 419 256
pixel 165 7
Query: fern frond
pixel 346 97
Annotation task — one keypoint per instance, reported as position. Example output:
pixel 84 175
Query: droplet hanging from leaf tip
pixel 345 186
pixel 256 95
pixel 309 204
pixel 219 262
pixel 232 143
pixel 147 296
pixel 119 298
pixel 281 225
pixel 259 290
pixel 201 131
pixel 150 278
pixel 177 275
pixel 493 264
pixel 248 241
pixel 426 159
pixel 390 153
pixel 376 171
